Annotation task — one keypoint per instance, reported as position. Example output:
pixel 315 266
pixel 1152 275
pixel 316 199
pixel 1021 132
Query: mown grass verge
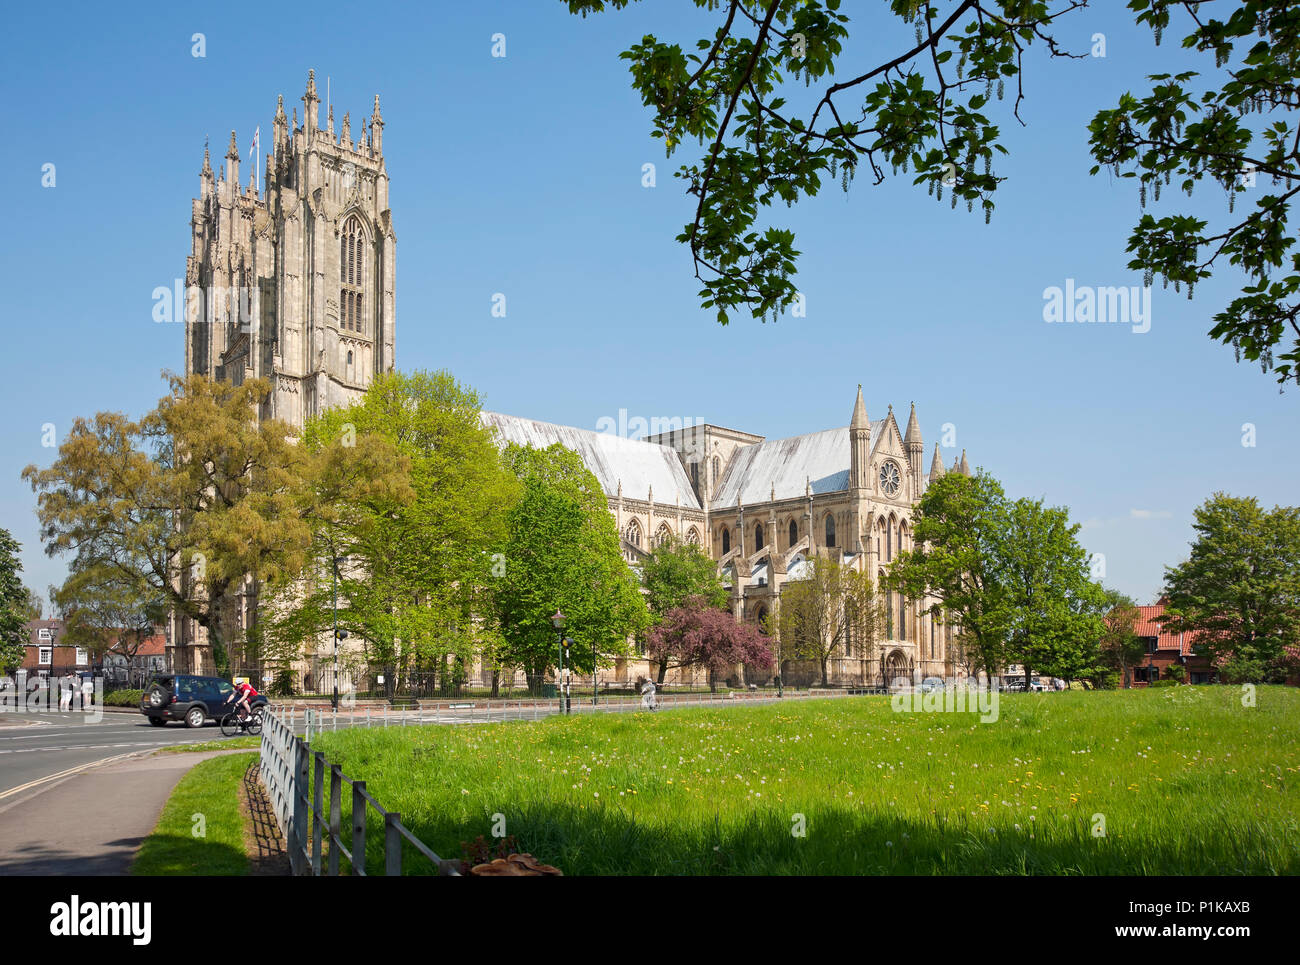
pixel 1180 781
pixel 201 830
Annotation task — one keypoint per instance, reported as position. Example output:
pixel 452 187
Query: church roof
pixel 640 466
pixel 786 465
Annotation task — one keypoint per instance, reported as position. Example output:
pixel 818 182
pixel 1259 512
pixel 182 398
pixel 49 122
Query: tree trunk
pixel 825 679
pixel 663 670
pixel 496 682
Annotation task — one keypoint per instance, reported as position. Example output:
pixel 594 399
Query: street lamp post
pixel 558 620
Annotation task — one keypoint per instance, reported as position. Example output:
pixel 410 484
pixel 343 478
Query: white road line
pixel 61 774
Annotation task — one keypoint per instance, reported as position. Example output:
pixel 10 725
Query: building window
pixel 693 536
pixel 889 540
pixel 717 470
pixel 82 659
pixel 889 614
pixel 758 536
pixel 794 532
pixel 46 656
pixel 726 540
pixel 352 248
pixel 1151 643
pixel 663 534
pixel 902 617
pixel 830 530
pixel 44 634
pixel 633 533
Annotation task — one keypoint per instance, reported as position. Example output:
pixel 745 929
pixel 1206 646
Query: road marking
pixel 61 774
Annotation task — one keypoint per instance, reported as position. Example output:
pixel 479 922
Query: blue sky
pixel 522 175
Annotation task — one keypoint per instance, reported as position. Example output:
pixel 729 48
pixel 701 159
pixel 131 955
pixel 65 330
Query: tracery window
pixel 352 260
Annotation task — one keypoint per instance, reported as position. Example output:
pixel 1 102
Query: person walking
pixel 65 690
pixel 87 690
pixel 648 701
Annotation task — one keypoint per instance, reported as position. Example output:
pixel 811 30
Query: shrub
pixel 123 698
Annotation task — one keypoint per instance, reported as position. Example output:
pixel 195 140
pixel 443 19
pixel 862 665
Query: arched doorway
pixel 897 671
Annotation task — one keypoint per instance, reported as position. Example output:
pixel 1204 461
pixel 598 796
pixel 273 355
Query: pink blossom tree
pixel 696 634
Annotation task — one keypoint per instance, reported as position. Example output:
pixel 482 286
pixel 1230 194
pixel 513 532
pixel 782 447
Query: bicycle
pixel 234 722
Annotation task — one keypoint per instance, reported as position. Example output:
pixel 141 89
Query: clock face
pixel 889 479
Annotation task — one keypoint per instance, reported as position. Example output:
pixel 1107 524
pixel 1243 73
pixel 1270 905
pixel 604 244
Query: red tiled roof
pixel 1146 626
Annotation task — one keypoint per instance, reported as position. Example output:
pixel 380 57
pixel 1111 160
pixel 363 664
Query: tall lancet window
pixel 352 261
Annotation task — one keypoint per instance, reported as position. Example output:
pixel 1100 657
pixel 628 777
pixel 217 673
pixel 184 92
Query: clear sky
pixel 523 175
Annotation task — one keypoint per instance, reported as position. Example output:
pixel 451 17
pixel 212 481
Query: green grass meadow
pixel 1186 780
pixel 210 789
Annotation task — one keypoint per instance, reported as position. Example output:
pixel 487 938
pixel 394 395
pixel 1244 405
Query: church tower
pixel 295 283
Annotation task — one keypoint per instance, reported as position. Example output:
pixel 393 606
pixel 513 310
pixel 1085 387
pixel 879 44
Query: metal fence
pixel 295 778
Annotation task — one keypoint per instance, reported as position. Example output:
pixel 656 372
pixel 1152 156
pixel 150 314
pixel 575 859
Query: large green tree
pixel 14 605
pixel 1239 589
pixel 674 571
pixel 561 552
pixel 189 501
pixel 774 102
pixel 410 495
pixel 1056 609
pixel 960 528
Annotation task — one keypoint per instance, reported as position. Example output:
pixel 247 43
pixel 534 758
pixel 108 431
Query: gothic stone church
pixel 314 251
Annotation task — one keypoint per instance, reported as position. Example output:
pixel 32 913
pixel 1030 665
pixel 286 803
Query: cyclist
pixel 242 694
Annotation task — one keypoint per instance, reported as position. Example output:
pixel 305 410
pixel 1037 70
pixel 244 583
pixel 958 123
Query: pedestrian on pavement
pixel 87 690
pixel 65 691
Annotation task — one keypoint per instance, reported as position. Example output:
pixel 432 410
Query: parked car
pixel 931 684
pixel 190 698
pixel 1013 684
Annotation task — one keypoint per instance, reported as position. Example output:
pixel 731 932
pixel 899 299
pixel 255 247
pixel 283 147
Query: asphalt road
pixel 37 746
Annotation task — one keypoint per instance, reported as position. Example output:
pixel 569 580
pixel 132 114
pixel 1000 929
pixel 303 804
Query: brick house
pixel 47 656
pixel 1165 649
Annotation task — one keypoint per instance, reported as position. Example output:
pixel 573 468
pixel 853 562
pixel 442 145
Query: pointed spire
pixel 347 128
pixel 913 428
pixel 233 150
pixel 773 490
pixel 860 420
pixel 965 466
pixel 936 465
pixel 330 122
pixel 207 161
pixel 377 129
pixel 279 108
pixel 310 104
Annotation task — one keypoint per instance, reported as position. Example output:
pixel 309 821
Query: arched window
pixel 761 619
pixel 693 536
pixel 663 534
pixel 889 539
pixel 633 533
pixel 932 635
pixel 830 530
pixel 902 617
pixel 726 540
pixel 758 536
pixel 352 260
pixel 889 614
pixel 794 532
pixel 717 470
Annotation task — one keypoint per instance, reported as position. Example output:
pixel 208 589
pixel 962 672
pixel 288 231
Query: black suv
pixel 191 699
